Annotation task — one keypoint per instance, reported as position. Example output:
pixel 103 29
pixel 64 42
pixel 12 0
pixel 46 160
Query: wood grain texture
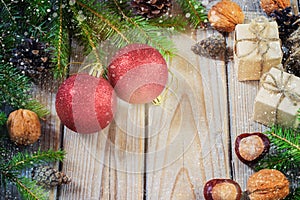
pixel 51 131
pixel 187 135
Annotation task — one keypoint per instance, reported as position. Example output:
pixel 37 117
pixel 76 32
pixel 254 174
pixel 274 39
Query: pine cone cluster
pixel 32 58
pixel 151 8
pixel 49 177
pixel 212 47
pixel 287 22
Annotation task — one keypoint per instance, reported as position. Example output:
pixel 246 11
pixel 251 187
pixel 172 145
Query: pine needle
pixel 194 11
pixel 29 189
pixel 287 149
pixel 27 160
pixel 3 119
pixel 61 43
pixel 11 172
pixel 14 91
pixel 109 20
pixel 166 48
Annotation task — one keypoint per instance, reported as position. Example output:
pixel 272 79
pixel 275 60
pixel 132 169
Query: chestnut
pixel 250 147
pixel 222 189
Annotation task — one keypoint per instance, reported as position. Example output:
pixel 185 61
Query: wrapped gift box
pixel 278 99
pixel 257 48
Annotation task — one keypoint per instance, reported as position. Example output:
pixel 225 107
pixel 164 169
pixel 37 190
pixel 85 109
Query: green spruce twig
pixel 286 143
pixel 61 43
pixel 11 172
pixel 110 21
pixel 194 11
pixel 27 160
pixel 14 91
pixel 29 189
pixel 3 118
pixel 154 36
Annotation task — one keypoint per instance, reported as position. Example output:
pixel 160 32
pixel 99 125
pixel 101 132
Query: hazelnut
pixel 24 127
pixel 250 147
pixel 267 184
pixel 225 15
pixel 222 189
pixel 271 5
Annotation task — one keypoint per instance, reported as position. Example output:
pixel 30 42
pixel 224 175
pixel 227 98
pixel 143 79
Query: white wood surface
pixel 161 152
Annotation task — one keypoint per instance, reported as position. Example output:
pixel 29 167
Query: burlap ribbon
pixel 281 87
pixel 259 28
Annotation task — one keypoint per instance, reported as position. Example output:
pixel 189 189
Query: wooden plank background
pixel 160 152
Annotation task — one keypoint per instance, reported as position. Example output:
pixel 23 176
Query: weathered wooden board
pixel 188 133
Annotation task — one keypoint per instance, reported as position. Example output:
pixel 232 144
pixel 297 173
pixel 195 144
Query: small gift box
pixel 278 99
pixel 257 48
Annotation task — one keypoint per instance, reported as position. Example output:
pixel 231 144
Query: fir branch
pixel 7 9
pixel 61 44
pixel 3 119
pixel 37 107
pixel 294 195
pixel 15 88
pixel 166 48
pixel 178 23
pixel 105 20
pixel 97 68
pixel 11 172
pixel 29 189
pixel 196 11
pixel 60 40
pixel 108 20
pixel 287 150
pixel 27 160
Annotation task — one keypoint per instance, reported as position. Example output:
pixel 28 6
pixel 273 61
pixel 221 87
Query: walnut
pixel 24 127
pixel 267 184
pixel 271 5
pixel 225 15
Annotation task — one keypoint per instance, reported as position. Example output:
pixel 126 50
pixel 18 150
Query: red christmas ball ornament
pixel 138 73
pixel 85 104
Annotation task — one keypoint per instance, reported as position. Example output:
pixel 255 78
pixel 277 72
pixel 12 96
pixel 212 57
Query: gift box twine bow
pixel 281 87
pixel 259 28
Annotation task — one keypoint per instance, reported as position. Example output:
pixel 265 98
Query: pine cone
pixel 291 58
pixel 212 47
pixel 32 58
pixel 151 8
pixel 287 22
pixel 49 177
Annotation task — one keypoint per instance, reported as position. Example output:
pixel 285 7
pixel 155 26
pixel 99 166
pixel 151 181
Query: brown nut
pixel 250 147
pixel 222 189
pixel 225 15
pixel 24 127
pixel 271 5
pixel 267 184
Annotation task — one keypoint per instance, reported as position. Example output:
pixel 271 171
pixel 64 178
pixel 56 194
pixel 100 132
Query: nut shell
pixel 251 147
pixel 24 127
pixel 222 189
pixel 225 15
pixel 267 184
pixel 271 5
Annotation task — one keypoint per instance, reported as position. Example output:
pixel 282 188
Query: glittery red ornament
pixel 85 104
pixel 138 73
